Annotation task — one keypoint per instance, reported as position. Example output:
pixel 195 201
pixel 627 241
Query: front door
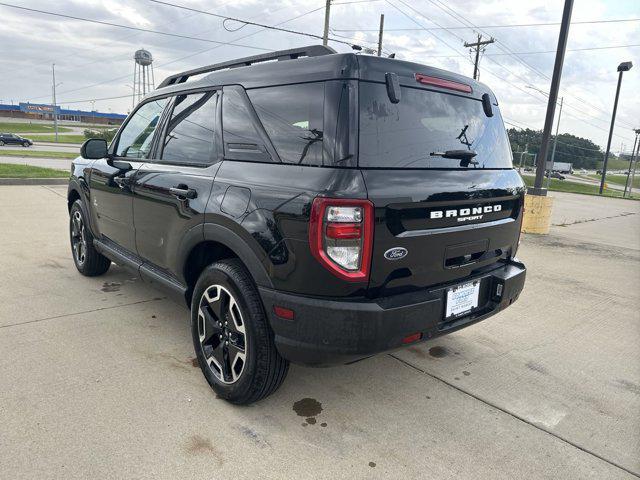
pixel 171 192
pixel 111 178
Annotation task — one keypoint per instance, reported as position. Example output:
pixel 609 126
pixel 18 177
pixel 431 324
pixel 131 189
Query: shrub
pixel 107 134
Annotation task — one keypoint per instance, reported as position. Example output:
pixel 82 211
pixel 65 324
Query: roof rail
pixel 310 51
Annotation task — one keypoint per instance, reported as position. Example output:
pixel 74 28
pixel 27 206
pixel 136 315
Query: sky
pixel 95 62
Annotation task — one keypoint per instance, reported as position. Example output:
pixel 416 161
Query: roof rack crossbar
pixel 291 54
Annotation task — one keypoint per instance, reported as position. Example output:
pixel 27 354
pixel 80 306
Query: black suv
pixel 308 206
pixel 13 139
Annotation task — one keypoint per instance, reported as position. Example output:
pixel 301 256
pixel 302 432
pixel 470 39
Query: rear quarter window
pixel 292 116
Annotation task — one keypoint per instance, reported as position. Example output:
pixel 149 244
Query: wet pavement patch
pixel 438 352
pixel 308 408
pixel 418 352
pixel 194 362
pixel 111 286
pixel 198 445
pixel 465 373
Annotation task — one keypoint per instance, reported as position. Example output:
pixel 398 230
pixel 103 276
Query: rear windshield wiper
pixel 465 156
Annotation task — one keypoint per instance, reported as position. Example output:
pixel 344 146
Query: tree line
pixel 581 152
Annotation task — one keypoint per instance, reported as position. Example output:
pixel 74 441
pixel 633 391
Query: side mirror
pixel 94 148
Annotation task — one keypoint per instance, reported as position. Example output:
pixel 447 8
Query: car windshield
pixel 428 129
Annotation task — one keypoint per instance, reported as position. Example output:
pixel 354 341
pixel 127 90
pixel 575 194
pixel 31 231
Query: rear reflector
pixel 442 83
pixel 414 337
pixel 343 230
pixel 282 312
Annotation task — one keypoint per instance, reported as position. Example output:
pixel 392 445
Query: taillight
pixel 341 236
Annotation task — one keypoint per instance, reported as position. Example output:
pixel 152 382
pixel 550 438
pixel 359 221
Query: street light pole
pixel 55 115
pixel 623 67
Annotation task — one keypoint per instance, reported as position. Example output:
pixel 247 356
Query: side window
pixel 135 138
pixel 292 115
pixel 242 141
pixel 191 129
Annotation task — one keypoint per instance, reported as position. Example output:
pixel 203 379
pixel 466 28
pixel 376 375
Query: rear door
pixel 111 179
pixel 438 219
pixel 171 192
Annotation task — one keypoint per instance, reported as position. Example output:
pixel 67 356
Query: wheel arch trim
pixel 234 242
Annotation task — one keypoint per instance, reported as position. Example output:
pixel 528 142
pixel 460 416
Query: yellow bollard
pixel 537 216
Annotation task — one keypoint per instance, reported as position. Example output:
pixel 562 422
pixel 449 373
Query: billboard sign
pixel 38 108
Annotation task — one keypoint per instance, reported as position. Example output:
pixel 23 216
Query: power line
pixel 549 51
pixel 186 56
pixel 505 48
pixel 511 25
pixel 128 27
pixel 247 22
pixel 419 24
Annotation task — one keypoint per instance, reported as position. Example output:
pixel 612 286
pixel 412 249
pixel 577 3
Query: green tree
pixel 581 152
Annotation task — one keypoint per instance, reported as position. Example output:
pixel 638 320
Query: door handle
pixel 182 191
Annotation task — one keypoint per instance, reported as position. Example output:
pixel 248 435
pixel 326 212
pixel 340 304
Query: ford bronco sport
pixel 308 207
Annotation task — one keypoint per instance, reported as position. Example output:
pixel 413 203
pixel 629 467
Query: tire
pixel 226 309
pixel 25 144
pixel 1 143
pixel 88 260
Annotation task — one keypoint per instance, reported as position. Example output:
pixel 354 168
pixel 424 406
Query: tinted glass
pixel 135 139
pixel 241 138
pixel 190 132
pixel 404 135
pixel 292 115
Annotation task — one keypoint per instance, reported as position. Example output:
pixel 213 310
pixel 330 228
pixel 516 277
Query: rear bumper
pixel 329 331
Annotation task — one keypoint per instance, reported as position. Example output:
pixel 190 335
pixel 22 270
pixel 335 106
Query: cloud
pixel 95 61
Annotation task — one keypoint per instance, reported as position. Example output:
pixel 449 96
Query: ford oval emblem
pixel 395 253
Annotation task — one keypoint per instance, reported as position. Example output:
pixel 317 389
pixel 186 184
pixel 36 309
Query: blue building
pixel 42 111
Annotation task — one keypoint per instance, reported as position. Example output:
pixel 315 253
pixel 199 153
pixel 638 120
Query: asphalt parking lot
pixel 97 379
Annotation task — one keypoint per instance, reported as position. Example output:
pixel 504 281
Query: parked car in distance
pixel 557 175
pixel 309 207
pixel 13 139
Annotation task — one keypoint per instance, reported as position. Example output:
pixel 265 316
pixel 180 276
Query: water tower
pixel 143 79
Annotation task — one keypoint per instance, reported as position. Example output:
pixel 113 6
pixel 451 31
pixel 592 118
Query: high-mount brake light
pixel 442 83
pixel 341 236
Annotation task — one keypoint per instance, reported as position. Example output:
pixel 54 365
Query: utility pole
pixel 634 155
pixel 477 45
pixel 327 13
pixel 380 34
pixel 553 98
pixel 55 115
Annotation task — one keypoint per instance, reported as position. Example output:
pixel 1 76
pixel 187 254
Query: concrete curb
pixel 33 181
pixel 53 144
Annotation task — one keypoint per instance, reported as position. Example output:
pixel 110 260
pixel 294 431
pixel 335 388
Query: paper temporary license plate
pixel 462 298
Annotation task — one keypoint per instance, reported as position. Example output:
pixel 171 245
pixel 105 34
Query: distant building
pixel 39 111
pixel 562 167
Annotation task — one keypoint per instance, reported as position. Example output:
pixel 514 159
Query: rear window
pixel 406 134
